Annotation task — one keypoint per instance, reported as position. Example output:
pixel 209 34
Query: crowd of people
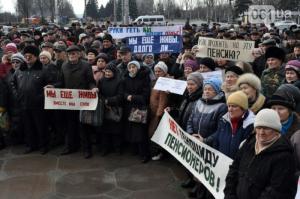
pixel 252 116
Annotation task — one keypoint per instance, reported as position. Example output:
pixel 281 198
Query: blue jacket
pixel 206 114
pixel 227 143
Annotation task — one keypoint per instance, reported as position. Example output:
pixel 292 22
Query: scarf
pixel 259 148
pixel 287 124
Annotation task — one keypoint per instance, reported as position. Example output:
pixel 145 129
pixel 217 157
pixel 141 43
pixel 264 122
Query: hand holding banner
pixel 205 163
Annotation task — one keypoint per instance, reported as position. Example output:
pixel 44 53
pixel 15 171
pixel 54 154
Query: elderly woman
pixel 232 74
pixel 206 64
pixel 136 94
pixel 292 73
pixel 53 72
pixel 158 102
pixel 284 103
pixel 273 76
pixel 250 84
pixel 234 127
pixel 264 167
pixel 148 61
pixel 101 63
pixel 189 67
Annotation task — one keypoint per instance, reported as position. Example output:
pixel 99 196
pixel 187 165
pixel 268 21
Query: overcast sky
pixel 78 5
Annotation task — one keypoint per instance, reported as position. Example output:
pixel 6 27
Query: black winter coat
pixel 268 175
pixel 28 85
pixel 111 90
pixel 76 76
pixel 3 94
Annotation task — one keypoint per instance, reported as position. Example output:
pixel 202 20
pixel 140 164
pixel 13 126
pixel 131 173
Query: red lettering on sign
pixel 60 103
pixel 87 94
pixel 51 93
pixel 173 126
pixel 71 103
pixel 66 94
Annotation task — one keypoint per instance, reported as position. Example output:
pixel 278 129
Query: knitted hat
pixel 136 63
pixel 196 77
pixel 250 79
pixel 235 69
pixel 112 67
pixel 31 50
pixel 11 47
pixel 238 98
pixel 275 52
pixel 268 118
pixel 148 54
pixel 293 65
pixel 191 63
pixel 46 54
pixel 208 62
pixel 102 56
pixel 215 83
pixel 19 57
pixel 162 66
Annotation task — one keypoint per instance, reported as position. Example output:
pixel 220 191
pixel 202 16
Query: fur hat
pixel 162 66
pixel 92 50
pixel 250 79
pixel 196 77
pixel 238 98
pixel 11 47
pixel 235 69
pixel 208 62
pixel 275 52
pixel 107 37
pixel 31 50
pixel 268 118
pixel 283 97
pixel 47 54
pixel 102 56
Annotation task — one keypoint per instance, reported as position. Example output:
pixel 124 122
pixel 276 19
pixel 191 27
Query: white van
pixel 150 19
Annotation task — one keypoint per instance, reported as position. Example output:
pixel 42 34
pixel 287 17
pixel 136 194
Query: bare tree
pixel 24 7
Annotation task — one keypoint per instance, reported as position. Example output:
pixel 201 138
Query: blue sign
pixel 155 44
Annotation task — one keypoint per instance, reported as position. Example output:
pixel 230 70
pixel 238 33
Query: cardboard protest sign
pixel 155 44
pixel 123 32
pixel 70 99
pixel 171 85
pixel 205 163
pixel 236 50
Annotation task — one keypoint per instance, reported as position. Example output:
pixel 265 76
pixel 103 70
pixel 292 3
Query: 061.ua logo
pixel 261 14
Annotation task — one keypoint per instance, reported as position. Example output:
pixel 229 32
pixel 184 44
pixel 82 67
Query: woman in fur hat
pixel 250 84
pixel 232 74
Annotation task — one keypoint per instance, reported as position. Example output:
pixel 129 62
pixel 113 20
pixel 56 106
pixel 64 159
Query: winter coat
pixel 3 95
pixel 187 106
pixel 259 65
pixel 158 103
pixel 229 89
pixel 13 105
pixel 224 140
pixel 4 69
pixel 76 76
pixel 110 52
pixel 110 90
pixel 206 114
pixel 28 84
pixel 122 69
pixel 267 175
pixel 54 72
pixel 293 134
pixel 271 79
pixel 139 88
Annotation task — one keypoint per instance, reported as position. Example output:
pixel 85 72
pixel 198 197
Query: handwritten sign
pixel 123 32
pixel 236 50
pixel 171 85
pixel 70 99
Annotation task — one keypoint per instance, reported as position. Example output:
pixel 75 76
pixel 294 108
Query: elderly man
pixel 264 167
pixel 76 74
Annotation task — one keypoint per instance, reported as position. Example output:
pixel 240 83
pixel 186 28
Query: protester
pixel 265 166
pixel 232 74
pixel 250 84
pixel 292 73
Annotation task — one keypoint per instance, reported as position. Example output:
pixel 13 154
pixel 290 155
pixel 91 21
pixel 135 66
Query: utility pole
pixel 126 12
pixel 84 11
pixel 56 11
pixel 115 12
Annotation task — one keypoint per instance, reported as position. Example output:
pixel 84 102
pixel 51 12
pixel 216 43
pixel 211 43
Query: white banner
pixel 214 74
pixel 236 50
pixel 205 163
pixel 298 192
pixel 123 32
pixel 170 85
pixel 70 99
